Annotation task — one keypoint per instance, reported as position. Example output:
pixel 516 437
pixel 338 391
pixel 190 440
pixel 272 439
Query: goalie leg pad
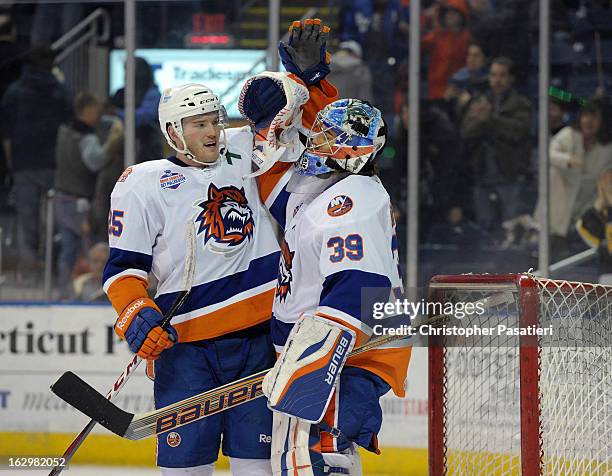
pixel 347 460
pixel 296 450
pixel 303 379
pixel 291 442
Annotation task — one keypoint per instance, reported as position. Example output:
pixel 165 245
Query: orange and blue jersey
pixel 339 242
pixel 339 239
pixel 236 250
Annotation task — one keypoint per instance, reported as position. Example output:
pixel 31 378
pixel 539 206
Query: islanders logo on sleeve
pixel 226 218
pixel 171 180
pixel 285 276
pixel 340 205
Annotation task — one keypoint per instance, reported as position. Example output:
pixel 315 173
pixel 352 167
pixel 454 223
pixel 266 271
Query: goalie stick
pixel 88 400
pixel 188 274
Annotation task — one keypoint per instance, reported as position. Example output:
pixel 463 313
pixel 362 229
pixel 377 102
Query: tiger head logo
pixel 285 276
pixel 225 217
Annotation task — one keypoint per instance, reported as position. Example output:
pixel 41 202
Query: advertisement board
pixel 40 342
pixel 223 70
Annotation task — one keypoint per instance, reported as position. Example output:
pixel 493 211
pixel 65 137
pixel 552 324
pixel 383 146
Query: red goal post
pixel 522 405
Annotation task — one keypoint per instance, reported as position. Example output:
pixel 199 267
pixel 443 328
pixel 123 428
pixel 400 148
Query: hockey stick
pixel 86 399
pixel 188 274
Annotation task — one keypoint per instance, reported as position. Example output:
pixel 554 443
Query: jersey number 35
pixel 115 226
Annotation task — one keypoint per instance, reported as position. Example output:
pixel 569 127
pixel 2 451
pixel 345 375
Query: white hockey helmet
pixel 184 101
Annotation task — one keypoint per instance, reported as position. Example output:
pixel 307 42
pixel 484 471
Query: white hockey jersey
pixel 339 239
pixel 237 252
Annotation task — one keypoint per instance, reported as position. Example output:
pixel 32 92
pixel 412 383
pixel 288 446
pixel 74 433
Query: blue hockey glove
pixel 140 325
pixel 305 54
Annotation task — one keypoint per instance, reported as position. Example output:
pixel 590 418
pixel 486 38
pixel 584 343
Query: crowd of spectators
pixel 496 145
pixel 80 155
pixel 579 155
pixel 32 110
pixel 477 146
pixel 478 134
pixel 67 148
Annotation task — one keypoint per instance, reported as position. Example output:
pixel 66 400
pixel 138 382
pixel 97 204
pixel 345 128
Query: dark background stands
pixel 32 109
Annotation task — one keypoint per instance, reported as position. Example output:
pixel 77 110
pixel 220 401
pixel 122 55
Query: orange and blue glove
pixel 140 325
pixel 305 54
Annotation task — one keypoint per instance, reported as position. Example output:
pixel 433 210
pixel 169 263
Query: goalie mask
pixel 184 101
pixel 347 135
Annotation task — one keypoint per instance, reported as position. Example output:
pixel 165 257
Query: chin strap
pixel 187 153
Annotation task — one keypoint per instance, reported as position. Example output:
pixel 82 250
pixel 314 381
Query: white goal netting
pixel 485 425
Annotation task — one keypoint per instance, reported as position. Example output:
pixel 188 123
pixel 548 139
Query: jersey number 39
pixel 350 247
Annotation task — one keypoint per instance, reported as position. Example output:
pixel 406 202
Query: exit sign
pixel 206 24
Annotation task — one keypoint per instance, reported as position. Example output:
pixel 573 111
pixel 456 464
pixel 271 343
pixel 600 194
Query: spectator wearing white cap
pixel 349 73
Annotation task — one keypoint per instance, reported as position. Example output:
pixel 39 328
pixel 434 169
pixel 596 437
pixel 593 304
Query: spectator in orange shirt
pixel 447 45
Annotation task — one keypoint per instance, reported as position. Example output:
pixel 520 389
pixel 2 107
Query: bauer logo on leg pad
pixel 337 360
pixel 302 382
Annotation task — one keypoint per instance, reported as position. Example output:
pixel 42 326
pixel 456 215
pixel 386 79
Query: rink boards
pixel 39 342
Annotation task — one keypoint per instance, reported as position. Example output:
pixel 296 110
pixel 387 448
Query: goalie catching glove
pixel 304 377
pixel 305 54
pixel 272 102
pixel 140 325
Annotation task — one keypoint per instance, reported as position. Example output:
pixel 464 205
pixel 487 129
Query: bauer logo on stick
pixel 215 403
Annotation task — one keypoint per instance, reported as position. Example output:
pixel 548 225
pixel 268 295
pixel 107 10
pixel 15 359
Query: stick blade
pixel 82 396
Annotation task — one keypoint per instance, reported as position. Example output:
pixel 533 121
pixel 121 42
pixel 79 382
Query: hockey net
pixel 523 405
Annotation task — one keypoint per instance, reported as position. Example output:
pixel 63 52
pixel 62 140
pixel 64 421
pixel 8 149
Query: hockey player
pixel 221 333
pixel 339 238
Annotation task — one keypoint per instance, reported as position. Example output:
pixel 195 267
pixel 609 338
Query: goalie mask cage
pixel 531 405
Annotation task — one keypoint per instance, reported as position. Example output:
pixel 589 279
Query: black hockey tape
pixel 78 393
